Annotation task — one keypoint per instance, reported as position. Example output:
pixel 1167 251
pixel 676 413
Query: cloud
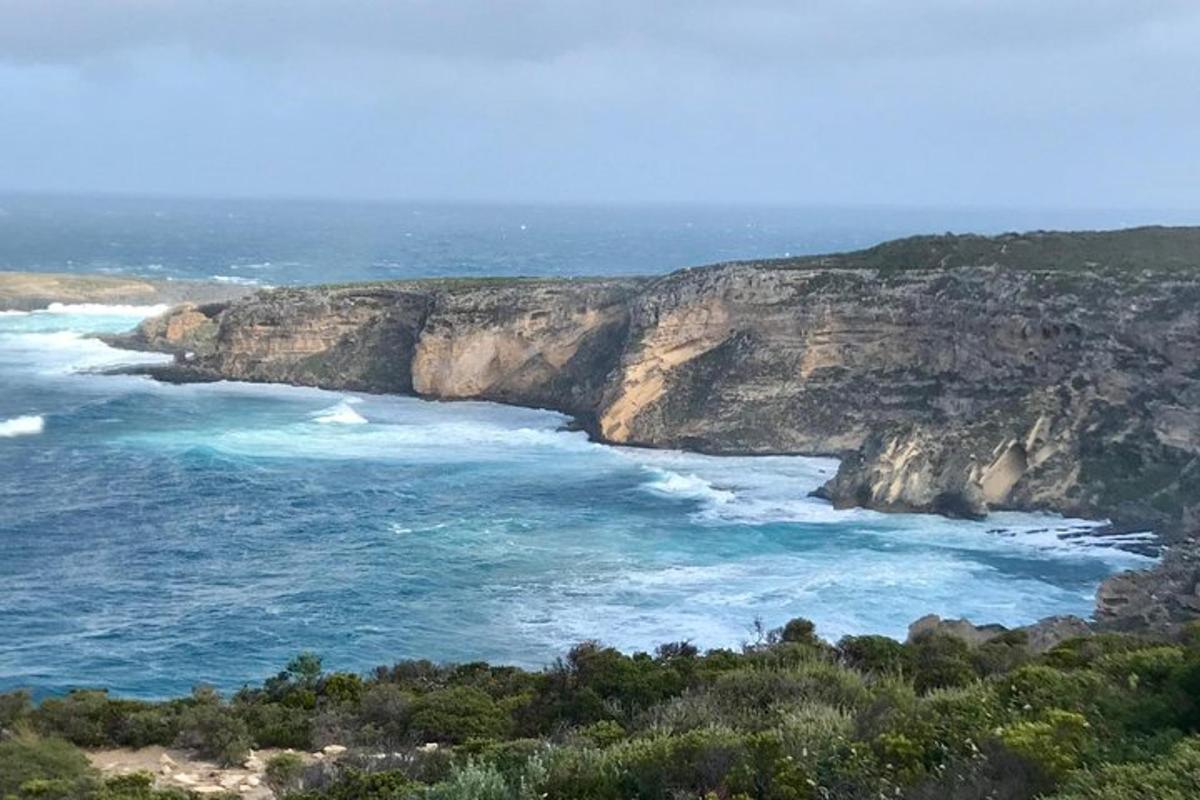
pixel 780 31
pixel 1081 102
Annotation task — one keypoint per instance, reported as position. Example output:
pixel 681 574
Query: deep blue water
pixel 278 242
pixel 153 536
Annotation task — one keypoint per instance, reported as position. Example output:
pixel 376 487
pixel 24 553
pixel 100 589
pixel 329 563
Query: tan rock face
pixel 532 343
pixel 1070 388
pixel 679 336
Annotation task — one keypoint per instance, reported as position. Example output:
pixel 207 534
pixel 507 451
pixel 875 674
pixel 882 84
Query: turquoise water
pixel 152 536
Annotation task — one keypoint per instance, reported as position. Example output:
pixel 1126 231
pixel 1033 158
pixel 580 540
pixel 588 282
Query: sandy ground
pixel 178 769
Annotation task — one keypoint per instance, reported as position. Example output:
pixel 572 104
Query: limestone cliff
pixel 953 374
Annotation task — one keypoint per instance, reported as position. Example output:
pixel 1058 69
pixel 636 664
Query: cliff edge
pixel 954 374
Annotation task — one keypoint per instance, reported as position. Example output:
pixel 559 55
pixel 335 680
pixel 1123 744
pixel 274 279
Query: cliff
pixel 955 374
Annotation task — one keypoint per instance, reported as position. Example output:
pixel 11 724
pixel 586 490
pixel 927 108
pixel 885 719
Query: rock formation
pixel 954 374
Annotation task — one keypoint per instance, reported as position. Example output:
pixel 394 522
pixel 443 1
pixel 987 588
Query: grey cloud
pixel 66 31
pixel 1017 102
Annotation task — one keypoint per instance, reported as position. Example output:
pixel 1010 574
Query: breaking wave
pixel 28 425
pixel 341 414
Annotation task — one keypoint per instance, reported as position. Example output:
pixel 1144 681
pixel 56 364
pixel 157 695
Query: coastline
pixel 220 319
pixel 954 390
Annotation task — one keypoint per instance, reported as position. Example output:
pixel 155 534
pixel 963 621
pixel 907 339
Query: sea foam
pixel 103 310
pixel 341 414
pixel 27 425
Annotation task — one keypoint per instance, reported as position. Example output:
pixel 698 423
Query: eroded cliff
pixel 952 374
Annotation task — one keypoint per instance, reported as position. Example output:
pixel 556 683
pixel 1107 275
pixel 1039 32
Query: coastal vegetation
pixel 786 717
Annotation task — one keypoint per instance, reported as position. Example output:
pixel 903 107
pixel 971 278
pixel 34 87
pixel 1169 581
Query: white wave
pixel 28 425
pixel 341 414
pixel 237 280
pixel 770 490
pixel 104 310
pixel 14 313
pixel 691 486
pixel 64 352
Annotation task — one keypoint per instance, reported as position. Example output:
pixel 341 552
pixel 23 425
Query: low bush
pixel 785 718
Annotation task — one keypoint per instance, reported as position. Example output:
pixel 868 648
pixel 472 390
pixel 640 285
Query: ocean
pixel 155 536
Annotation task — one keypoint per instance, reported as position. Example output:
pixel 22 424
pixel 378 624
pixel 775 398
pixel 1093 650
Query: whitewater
pixel 152 535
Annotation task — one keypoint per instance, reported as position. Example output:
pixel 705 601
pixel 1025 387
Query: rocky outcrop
pixel 1038 637
pixel 1162 599
pixel 951 374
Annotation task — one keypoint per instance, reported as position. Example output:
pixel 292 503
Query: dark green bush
pixel 456 715
pixel 938 661
pixel 877 654
pixel 213 730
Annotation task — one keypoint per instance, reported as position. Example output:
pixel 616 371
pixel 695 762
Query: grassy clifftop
pixel 1155 248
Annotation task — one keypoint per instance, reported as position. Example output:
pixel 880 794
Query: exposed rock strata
pixel 952 374
pixel 1162 599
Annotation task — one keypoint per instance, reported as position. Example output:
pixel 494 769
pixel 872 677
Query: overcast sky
pixel 1068 103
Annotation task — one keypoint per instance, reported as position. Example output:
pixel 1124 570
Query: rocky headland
pixel 952 374
pixel 28 291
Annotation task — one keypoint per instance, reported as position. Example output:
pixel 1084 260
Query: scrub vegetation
pixel 786 717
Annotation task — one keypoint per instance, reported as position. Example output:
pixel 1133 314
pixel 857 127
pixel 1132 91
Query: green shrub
pixel 603 733
pixel 356 785
pixel 1056 741
pixel 766 770
pixel 342 687
pixel 1149 668
pixel 800 631
pixel 86 718
pixel 455 715
pixel 26 757
pixel 284 773
pixel 384 712
pixel 1084 651
pixel 580 773
pixel 689 764
pixel 15 707
pixel 277 725
pixel 877 654
pixel 472 782
pixel 1034 687
pixel 1173 777
pixel 938 660
pixel 213 730
pixel 1002 654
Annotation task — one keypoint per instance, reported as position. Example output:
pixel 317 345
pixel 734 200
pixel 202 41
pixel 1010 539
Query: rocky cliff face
pixel 953 374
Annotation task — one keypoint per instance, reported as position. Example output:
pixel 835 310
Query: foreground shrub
pixel 939 661
pixel 1056 742
pixel 60 767
pixel 284 773
pixel 1174 777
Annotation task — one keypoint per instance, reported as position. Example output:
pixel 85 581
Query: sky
pixel 1064 103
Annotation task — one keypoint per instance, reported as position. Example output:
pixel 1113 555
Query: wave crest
pixel 341 414
pixel 27 425
pixel 690 486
